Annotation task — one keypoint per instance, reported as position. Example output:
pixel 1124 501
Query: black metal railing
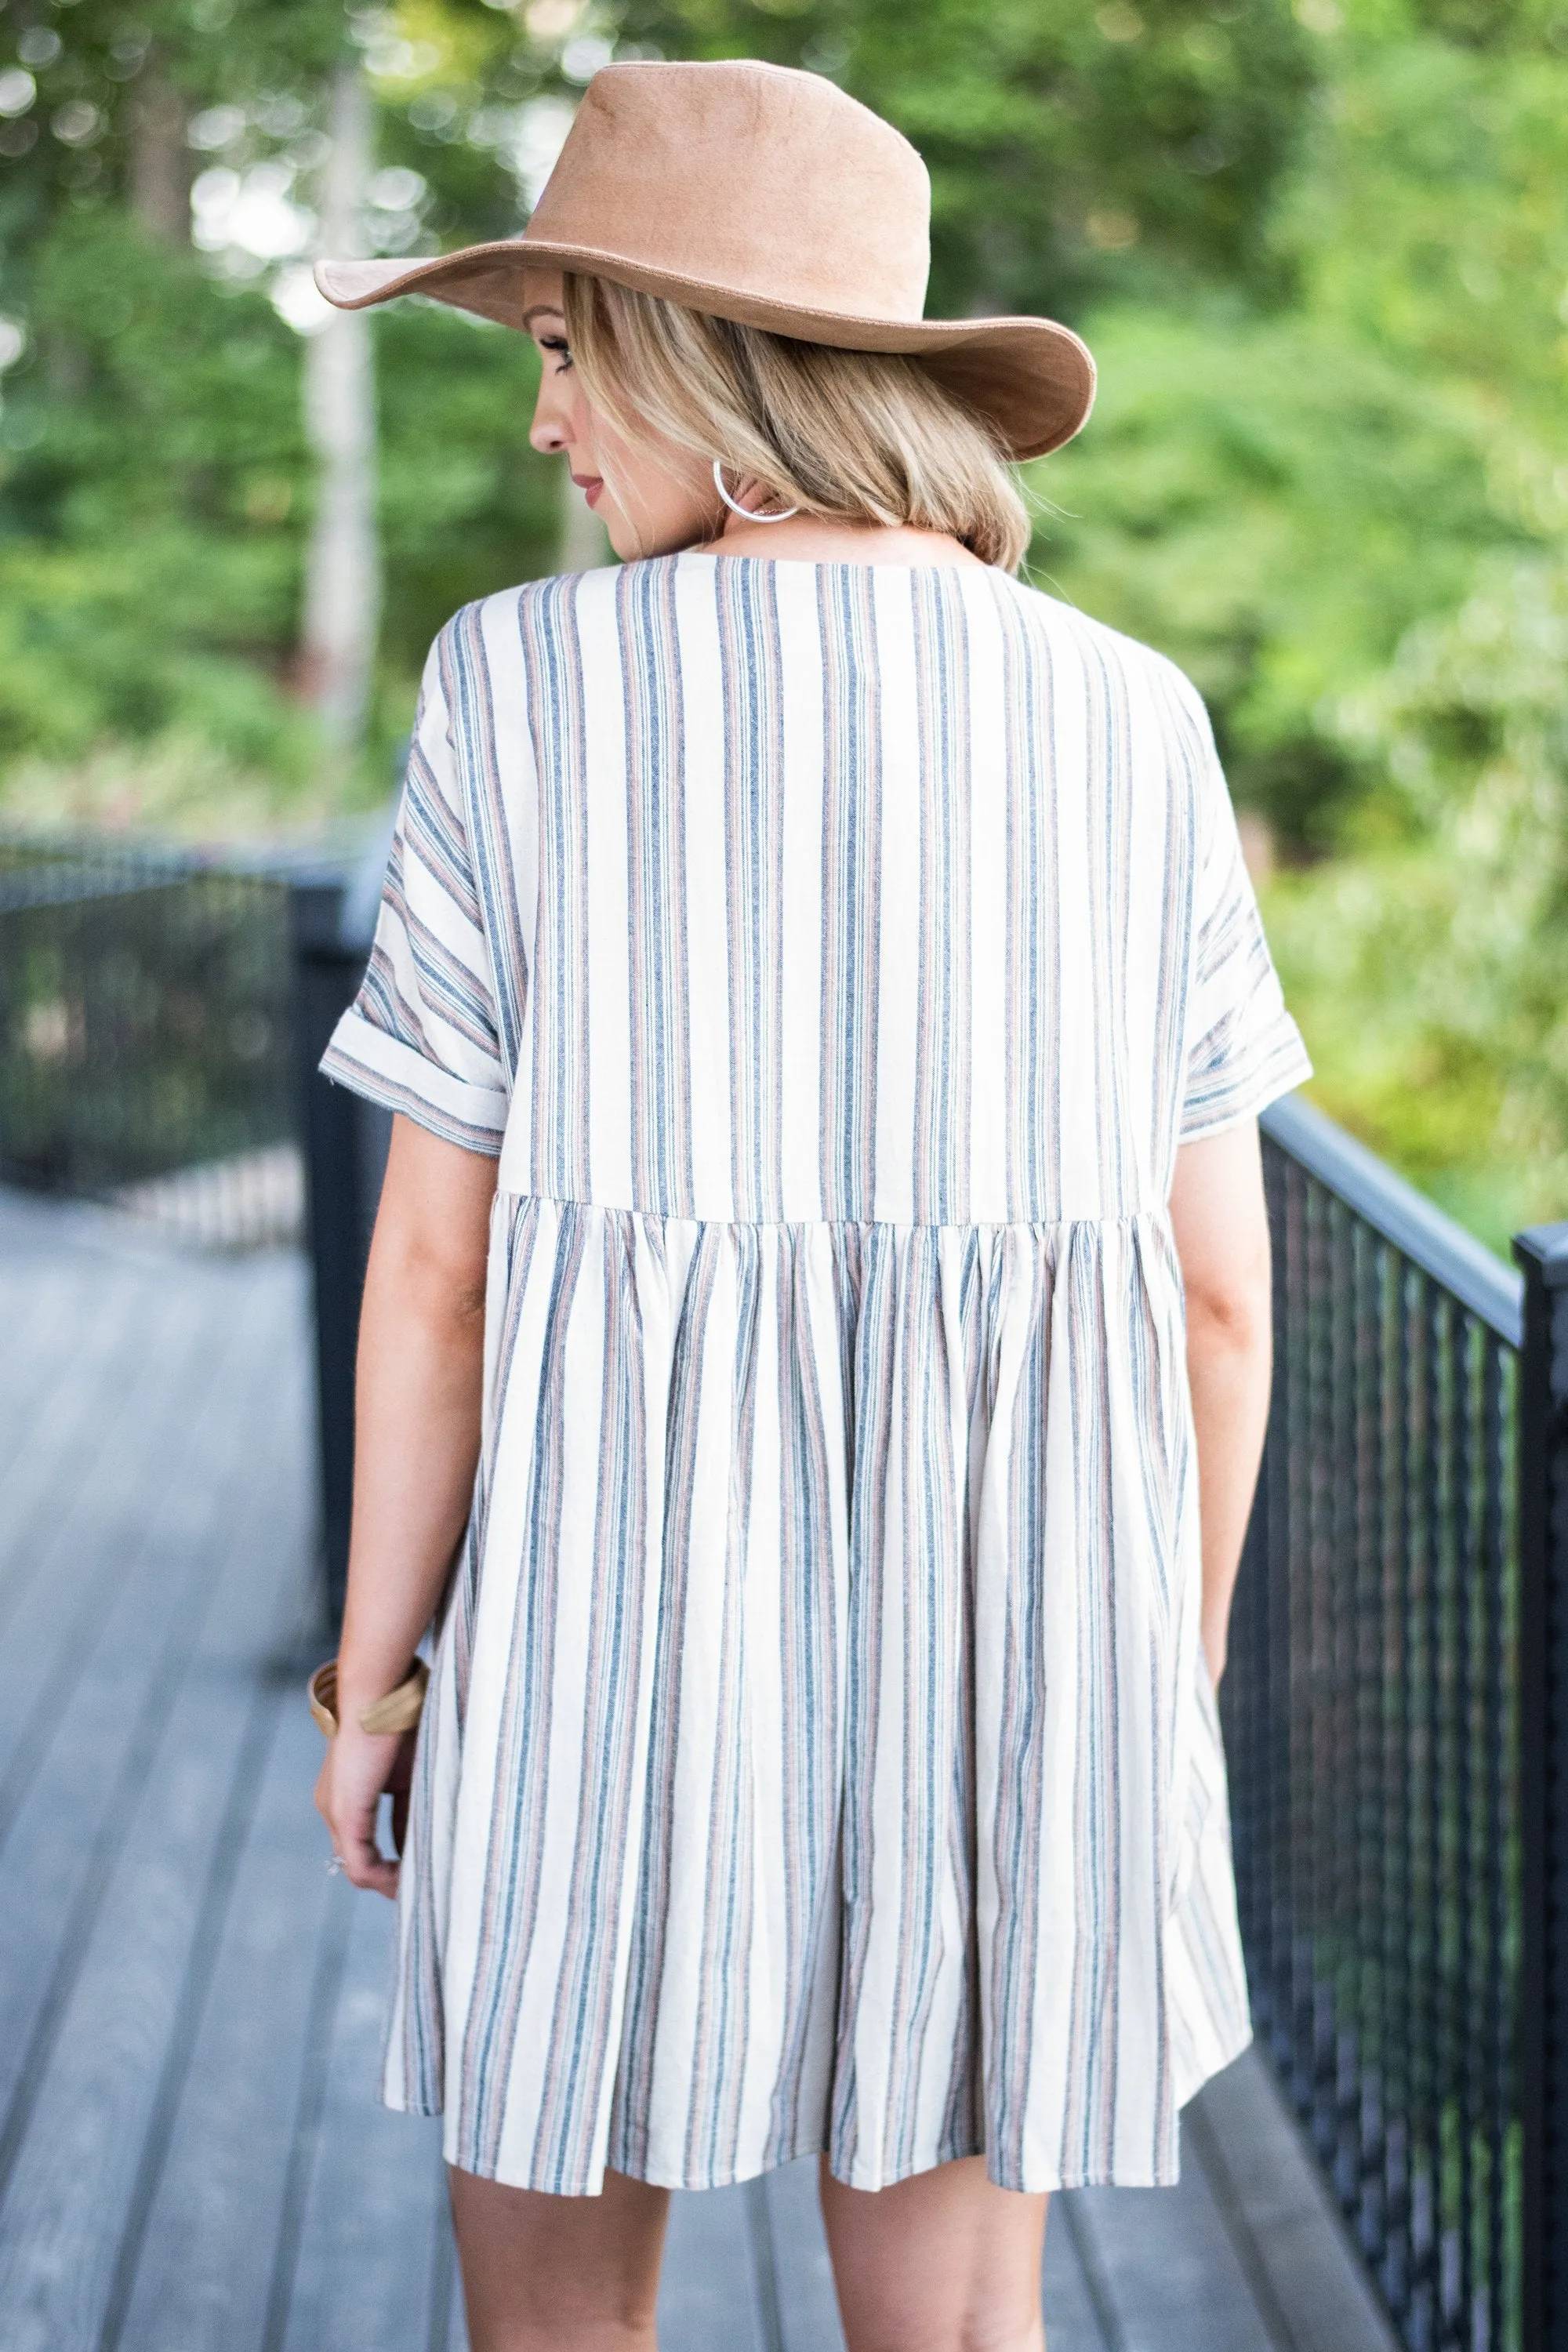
pixel 1398 1832
pixel 146 1009
pixel 346 1140
pixel 162 1016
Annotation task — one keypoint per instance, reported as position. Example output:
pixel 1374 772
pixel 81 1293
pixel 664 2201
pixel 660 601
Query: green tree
pixel 155 488
pixel 1278 495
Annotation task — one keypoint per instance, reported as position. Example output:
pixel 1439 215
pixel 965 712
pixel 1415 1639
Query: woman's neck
pixel 815 538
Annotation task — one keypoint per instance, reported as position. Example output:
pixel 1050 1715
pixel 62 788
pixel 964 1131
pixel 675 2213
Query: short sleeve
pixel 422 1035
pixel 1243 1049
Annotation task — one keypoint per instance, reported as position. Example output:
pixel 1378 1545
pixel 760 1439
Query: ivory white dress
pixel 818 1753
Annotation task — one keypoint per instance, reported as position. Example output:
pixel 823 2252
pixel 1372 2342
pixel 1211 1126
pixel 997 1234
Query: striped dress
pixel 819 1754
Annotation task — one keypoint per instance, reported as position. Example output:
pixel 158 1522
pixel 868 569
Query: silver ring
pixel 336 1866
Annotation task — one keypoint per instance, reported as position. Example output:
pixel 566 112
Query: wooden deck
pixel 192 2158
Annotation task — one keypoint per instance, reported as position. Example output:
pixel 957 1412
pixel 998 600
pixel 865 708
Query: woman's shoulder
pixel 560 608
pixel 1069 628
pixel 558 595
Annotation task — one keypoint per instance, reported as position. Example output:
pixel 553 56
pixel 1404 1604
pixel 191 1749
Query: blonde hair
pixel 863 437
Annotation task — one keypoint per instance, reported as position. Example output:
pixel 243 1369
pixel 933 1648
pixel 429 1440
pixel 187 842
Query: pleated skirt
pixel 819 1754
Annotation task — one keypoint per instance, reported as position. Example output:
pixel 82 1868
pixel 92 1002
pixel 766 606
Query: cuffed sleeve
pixel 422 1035
pixel 1243 1047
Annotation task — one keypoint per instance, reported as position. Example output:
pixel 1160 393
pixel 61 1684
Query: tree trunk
pixel 342 566
pixel 162 165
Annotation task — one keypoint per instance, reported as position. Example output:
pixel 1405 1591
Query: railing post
pixel 1543 1255
pixel 345 1143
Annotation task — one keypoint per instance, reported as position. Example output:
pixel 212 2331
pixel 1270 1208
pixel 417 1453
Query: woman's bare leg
pixel 559 2274
pixel 942 2262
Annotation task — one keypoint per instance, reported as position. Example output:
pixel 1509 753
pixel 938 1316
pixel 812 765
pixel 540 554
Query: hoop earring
pixel 745 512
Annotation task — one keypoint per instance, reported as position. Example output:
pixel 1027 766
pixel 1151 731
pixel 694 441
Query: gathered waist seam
pixel 1154 1213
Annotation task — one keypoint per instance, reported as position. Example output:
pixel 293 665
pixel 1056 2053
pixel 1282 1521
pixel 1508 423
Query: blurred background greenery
pixel 1320 246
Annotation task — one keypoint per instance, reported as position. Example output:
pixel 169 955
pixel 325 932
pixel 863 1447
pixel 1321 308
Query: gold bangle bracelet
pixel 399 1711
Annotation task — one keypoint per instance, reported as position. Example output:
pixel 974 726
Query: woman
pixel 826 1015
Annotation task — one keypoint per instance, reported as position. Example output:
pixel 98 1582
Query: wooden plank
pixel 71 1830
pixel 216 1494
pixel 121 1479
pixel 200 2277
pixel 40 1342
pixel 309 2104
pixel 808 2318
pixel 94 2078
pixel 1079 2309
pixel 81 1437
pixel 62 1265
pixel 1162 2270
pixel 365 2258
pixel 709 2296
pixel 91 1349
pixel 145 1494
pixel 448 2325
pixel 189 2008
pixel 1306 2272
pixel 365 2272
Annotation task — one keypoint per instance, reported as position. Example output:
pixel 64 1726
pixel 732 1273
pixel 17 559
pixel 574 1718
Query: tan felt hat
pixel 765 195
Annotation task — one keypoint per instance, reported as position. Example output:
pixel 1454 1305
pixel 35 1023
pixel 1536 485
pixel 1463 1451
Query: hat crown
pixel 754 192
pixel 773 181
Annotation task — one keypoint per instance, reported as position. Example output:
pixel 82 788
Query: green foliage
pixel 1272 502
pixel 150 496
pixel 1429 218
pixel 1432 975
pixel 155 486
pixel 105 76
pixel 1347 515
pixel 467 506
pixel 176 785
pixel 1278 498
pixel 155 491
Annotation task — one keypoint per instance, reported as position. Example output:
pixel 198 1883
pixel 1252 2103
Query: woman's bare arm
pixel 417 1442
pixel 1221 1226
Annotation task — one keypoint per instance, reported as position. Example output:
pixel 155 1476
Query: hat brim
pixel 1031 378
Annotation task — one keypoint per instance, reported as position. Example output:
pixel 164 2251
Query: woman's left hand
pixel 359 1768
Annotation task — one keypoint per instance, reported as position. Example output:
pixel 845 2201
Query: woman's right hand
pixel 361 1766
pixel 418 1400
